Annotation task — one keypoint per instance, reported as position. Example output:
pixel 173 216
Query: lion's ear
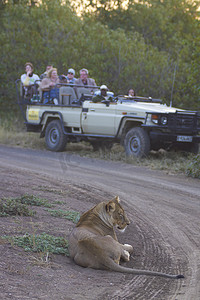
pixel 110 206
pixel 117 199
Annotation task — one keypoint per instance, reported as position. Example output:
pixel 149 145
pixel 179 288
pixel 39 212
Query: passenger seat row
pixel 68 94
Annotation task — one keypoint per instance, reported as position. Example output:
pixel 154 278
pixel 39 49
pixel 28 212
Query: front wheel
pixel 55 138
pixel 137 142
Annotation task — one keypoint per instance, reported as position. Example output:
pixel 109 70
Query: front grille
pixel 184 122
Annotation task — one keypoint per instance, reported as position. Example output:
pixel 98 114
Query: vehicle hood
pixel 147 107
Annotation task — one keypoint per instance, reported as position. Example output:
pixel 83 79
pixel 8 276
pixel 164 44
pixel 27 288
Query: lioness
pixel 93 242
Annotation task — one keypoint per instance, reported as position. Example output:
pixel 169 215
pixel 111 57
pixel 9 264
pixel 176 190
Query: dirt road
pixel 165 228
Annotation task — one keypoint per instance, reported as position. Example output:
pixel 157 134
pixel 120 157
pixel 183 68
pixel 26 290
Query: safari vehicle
pixel 140 124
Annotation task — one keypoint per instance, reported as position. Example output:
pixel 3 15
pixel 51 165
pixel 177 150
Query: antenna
pixel 173 84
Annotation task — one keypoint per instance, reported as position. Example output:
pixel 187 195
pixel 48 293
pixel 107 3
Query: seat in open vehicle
pixel 66 95
pixel 82 91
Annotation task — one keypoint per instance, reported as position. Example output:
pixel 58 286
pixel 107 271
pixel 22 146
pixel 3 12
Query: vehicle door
pixel 97 118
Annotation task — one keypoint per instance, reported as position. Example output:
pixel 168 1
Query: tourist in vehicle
pixel 84 80
pixel 48 86
pixel 103 95
pixel 70 76
pixel 28 80
pixel 43 75
pixel 131 93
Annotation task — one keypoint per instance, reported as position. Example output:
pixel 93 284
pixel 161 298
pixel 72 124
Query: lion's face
pixel 117 214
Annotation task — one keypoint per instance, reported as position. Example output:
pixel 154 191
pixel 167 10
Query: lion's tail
pixel 118 268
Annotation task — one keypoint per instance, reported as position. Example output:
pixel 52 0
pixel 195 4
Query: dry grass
pixel 43 260
pixel 21 139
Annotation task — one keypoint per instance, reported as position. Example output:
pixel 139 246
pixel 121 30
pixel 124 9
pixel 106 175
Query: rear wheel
pixel 137 142
pixel 55 138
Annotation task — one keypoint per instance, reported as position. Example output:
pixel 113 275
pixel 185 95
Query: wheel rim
pixel 135 144
pixel 54 136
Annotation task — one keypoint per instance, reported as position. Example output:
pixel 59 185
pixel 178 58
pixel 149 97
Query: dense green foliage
pixel 152 46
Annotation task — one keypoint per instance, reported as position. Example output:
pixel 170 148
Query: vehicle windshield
pixel 138 99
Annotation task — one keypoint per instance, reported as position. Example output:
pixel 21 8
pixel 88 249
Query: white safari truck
pixel 140 124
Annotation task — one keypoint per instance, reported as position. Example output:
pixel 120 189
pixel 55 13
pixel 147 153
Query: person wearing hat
pixel 28 80
pixel 103 95
pixel 70 76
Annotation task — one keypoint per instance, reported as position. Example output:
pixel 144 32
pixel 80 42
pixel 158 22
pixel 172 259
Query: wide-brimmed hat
pixel 84 70
pixel 71 71
pixel 103 87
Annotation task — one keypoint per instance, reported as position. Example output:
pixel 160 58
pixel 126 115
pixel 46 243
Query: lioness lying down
pixel 93 242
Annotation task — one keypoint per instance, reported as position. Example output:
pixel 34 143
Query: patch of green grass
pixel 51 190
pixel 59 202
pixel 13 207
pixel 19 205
pixel 66 214
pixel 44 243
pixel 34 200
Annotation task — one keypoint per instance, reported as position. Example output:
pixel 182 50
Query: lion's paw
pixel 128 248
pixel 126 255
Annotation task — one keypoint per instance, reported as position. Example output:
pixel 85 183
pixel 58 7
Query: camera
pixel 61 77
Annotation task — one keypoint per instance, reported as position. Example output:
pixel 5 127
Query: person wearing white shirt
pixel 28 80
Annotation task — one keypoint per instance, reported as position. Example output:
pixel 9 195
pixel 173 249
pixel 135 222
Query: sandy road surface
pixel 165 215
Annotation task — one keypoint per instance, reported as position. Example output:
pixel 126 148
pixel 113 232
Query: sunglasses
pixel 71 73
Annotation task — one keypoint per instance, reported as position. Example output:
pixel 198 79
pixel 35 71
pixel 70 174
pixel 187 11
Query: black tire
pixel 137 142
pixel 55 138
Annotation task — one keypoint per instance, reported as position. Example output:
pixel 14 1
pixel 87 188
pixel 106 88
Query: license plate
pixel 184 138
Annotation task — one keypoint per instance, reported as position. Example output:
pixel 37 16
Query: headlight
pixel 163 120
pixel 154 119
pixel 159 119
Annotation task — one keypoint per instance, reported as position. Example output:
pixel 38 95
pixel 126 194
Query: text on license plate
pixel 184 138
